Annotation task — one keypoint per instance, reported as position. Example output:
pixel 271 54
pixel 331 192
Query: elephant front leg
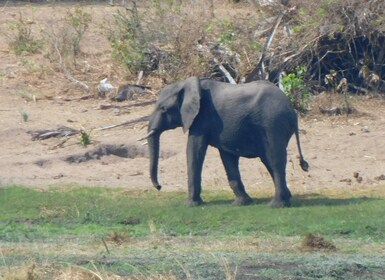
pixel 196 151
pixel 231 164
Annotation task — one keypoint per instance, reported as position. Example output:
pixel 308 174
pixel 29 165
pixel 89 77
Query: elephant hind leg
pixel 231 164
pixel 275 162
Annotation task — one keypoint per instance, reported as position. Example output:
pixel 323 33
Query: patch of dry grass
pixel 316 242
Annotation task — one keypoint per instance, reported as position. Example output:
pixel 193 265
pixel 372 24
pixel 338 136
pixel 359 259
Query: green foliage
pixel 223 30
pixel 24 116
pixel 24 42
pixel 162 41
pixel 30 64
pixel 79 20
pixel 149 233
pixel 85 138
pixel 126 40
pixel 297 28
pixel 86 210
pixel 294 87
pixel 64 38
pixel 321 12
pixel 227 35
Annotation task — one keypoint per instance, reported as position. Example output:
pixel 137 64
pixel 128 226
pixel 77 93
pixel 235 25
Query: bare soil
pixel 344 152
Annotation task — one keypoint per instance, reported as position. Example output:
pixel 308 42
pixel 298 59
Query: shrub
pixel 160 37
pixel 79 20
pixel 126 40
pixel 85 138
pixel 24 42
pixel 64 38
pixel 294 86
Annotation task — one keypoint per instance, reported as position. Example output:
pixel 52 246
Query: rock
pixel 380 178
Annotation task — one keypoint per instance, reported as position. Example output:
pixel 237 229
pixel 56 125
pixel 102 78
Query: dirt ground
pixel 344 152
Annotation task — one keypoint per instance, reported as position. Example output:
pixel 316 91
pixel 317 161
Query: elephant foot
pixel 279 203
pixel 193 203
pixel 244 200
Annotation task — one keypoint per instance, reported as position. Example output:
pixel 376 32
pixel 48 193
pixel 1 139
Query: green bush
pixel 294 86
pixel 64 38
pixel 85 138
pixel 24 42
pixel 128 46
pixel 79 20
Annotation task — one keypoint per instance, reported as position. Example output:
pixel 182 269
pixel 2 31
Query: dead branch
pixel 260 69
pixel 76 82
pixel 48 133
pixel 225 72
pixel 140 77
pixel 112 106
pixel 85 97
pixel 130 122
pixel 60 145
pixel 337 111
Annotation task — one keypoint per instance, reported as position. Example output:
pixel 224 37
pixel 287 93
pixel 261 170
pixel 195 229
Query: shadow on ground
pixel 299 201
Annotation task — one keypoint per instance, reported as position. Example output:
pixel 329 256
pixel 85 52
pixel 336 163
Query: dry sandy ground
pixel 335 147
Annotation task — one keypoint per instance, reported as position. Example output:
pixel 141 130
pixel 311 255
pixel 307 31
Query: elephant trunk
pixel 153 145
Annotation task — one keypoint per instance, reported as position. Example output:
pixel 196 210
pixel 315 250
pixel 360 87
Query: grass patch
pixel 36 213
pixel 149 233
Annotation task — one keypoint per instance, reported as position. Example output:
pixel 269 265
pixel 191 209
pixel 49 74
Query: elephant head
pixel 177 106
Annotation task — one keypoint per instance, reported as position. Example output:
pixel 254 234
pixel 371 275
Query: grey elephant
pixel 247 120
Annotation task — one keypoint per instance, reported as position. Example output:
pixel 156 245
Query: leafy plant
pixel 85 138
pixel 24 115
pixel 224 29
pixel 65 36
pixel 227 36
pixel 29 63
pixel 24 42
pixel 294 86
pixel 347 104
pixel 79 20
pixel 125 39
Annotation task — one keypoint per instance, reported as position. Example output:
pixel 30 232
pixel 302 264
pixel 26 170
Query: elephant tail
pixel 302 162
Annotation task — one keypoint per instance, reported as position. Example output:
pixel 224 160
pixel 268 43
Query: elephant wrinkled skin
pixel 247 120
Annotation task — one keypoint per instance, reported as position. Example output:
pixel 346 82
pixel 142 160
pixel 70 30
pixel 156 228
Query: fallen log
pixel 62 131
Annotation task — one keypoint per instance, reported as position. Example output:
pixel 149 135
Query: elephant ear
pixel 191 101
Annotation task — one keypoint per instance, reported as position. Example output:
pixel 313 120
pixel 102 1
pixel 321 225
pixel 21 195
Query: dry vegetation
pixel 248 40
pixel 62 54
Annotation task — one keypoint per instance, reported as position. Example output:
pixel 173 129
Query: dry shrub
pixel 176 39
pixel 344 36
pixel 334 104
pixel 158 36
pixel 23 41
pixel 316 242
pixel 118 238
pixel 22 273
pixel 79 273
pixel 64 38
pixel 165 276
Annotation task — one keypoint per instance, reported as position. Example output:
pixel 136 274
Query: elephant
pixel 249 120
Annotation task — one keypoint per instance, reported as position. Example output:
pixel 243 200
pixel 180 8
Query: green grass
pixel 152 235
pixel 97 211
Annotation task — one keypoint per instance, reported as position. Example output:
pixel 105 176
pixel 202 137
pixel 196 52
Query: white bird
pixel 105 87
